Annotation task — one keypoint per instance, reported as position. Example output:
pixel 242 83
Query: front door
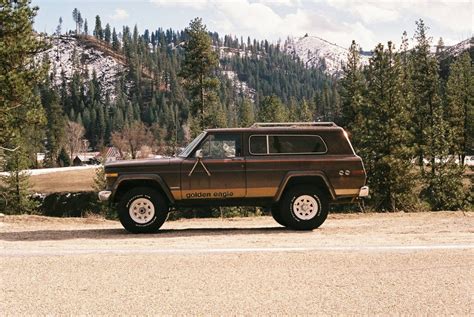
pixel 219 174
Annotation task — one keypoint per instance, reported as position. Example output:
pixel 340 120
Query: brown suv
pixel 296 169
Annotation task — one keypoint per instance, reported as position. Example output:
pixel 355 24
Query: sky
pixel 338 21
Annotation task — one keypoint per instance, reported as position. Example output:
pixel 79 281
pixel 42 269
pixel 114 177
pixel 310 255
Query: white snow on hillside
pixel 457 49
pixel 318 53
pixel 229 52
pixel 240 86
pixel 68 55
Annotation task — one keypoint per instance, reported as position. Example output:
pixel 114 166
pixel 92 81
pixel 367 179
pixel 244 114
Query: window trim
pixel 295 153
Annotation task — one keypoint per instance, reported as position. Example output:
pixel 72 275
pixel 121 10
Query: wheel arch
pixel 127 182
pixel 314 178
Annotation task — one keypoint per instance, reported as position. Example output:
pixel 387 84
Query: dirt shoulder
pixel 355 264
pixel 360 229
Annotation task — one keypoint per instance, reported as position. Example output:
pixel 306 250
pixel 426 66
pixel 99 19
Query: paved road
pixel 354 264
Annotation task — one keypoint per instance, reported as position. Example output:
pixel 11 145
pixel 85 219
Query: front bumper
pixel 104 195
pixel 364 191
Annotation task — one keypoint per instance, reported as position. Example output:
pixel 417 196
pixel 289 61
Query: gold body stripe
pixel 242 192
pixel 224 193
pixel 343 192
pixel 261 192
pixel 176 194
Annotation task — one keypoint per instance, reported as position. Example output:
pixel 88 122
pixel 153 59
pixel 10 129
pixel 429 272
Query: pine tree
pixel 406 73
pixel 86 27
pixel 21 113
pixel 293 111
pixel 352 89
pixel 59 27
pixel 433 137
pixel 305 112
pixel 443 187
pixel 55 123
pixel 425 84
pixel 63 159
pixel 80 22
pixel 246 114
pixel 386 144
pixel 107 33
pixel 440 46
pixel 272 110
pixel 460 99
pixel 98 32
pixel 75 17
pixel 15 185
pixel 115 41
pixel 20 75
pixel 200 61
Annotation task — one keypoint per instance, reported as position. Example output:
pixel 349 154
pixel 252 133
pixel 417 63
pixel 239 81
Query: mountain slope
pixel 69 54
pixel 316 52
pixel 457 49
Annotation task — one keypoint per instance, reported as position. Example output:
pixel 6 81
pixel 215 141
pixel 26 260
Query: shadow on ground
pixel 48 235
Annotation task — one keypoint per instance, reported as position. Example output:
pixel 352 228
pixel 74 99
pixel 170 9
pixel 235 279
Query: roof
pixel 281 127
pixel 87 156
pixel 112 152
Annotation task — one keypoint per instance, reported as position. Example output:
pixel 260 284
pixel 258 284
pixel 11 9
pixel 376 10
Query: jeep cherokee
pixel 296 169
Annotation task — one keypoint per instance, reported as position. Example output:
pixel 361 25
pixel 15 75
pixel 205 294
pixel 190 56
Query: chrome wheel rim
pixel 305 207
pixel 141 210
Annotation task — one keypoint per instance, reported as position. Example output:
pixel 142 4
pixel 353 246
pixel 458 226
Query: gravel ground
pixel 419 263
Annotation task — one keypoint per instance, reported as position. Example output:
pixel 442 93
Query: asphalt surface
pixel 420 263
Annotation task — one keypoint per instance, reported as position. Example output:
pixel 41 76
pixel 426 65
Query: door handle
pixel 237 158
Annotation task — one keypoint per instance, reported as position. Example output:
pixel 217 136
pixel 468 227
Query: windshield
pixel 187 150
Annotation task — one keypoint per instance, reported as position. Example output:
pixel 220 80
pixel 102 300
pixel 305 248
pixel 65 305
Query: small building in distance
pixel 111 154
pixel 86 158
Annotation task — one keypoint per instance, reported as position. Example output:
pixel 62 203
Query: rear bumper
pixel 104 195
pixel 364 191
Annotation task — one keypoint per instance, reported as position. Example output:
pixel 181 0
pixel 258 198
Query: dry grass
pixel 83 180
pixel 68 181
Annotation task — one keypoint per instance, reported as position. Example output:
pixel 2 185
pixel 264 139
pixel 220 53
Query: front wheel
pixel 142 210
pixel 304 208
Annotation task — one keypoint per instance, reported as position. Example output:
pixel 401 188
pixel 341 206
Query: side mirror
pixel 199 154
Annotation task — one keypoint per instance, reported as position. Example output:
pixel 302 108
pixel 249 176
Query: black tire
pixel 276 214
pixel 142 210
pixel 313 211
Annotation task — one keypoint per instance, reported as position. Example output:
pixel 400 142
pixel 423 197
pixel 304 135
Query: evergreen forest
pixel 409 112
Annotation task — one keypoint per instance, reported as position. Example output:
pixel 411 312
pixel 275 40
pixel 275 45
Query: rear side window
pixel 287 144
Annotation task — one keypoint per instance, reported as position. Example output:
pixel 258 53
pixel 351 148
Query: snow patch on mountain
pixel 459 48
pixel 68 55
pixel 229 52
pixel 240 86
pixel 316 52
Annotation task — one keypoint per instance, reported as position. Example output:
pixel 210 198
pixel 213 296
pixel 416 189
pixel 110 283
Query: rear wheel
pixel 142 210
pixel 276 214
pixel 304 208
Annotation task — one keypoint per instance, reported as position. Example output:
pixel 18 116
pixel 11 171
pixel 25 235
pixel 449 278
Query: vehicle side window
pixel 296 144
pixel 286 144
pixel 221 146
pixel 258 144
